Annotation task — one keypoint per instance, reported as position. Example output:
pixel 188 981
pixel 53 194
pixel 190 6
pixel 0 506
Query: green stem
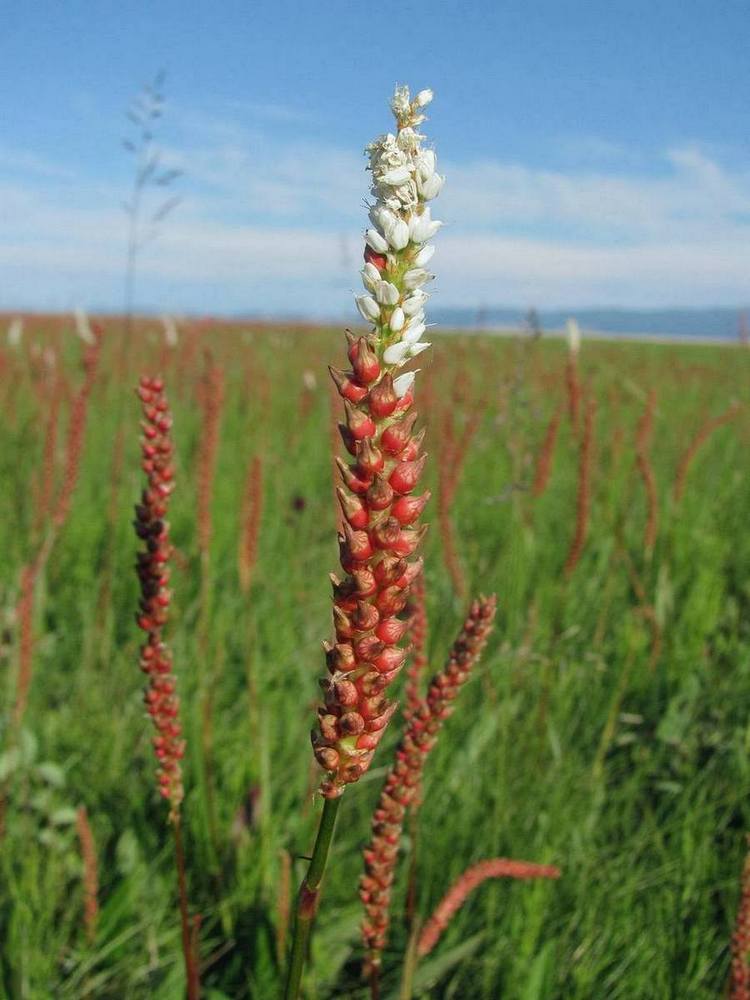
pixel 309 894
pixel 410 963
pixel 188 949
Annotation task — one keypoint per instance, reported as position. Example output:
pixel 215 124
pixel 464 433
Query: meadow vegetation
pixel 605 730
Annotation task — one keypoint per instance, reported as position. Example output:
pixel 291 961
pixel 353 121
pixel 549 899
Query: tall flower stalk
pixel 160 696
pixel 380 511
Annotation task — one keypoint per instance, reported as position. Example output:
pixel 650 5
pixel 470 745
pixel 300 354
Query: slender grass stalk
pixel 701 437
pixel 90 874
pixel 546 454
pixel 583 498
pixel 309 896
pixel 646 469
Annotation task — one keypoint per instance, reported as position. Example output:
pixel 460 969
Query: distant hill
pixel 719 322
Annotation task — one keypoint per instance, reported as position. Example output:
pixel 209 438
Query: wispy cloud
pixel 271 222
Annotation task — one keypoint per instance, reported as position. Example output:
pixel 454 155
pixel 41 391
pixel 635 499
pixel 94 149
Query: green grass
pixel 569 746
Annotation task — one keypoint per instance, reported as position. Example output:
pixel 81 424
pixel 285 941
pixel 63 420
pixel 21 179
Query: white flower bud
pixel 382 217
pixel 397 320
pixel 370 277
pixel 386 293
pixel 413 304
pixel 403 383
pixel 432 187
pixel 424 256
pixel 422 228
pixel 376 241
pixel 415 349
pixel 423 98
pixel 368 308
pixel 415 277
pixel 412 334
pixel 398 234
pixel 396 353
pixel 426 162
pixel 396 177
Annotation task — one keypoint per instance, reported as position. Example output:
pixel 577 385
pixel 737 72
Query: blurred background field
pixel 606 730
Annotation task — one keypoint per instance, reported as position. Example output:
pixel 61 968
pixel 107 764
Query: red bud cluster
pixel 402 784
pixel 152 567
pixel 379 534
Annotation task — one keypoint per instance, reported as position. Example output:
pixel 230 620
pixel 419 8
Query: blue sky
pixel 595 154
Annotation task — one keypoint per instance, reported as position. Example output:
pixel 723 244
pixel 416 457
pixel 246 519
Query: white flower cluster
pixel 404 180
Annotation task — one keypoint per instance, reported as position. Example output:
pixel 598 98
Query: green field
pixel 606 730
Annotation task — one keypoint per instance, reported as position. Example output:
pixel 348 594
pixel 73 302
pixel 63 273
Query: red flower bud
pixel 367 647
pixel 407 509
pixel 366 617
pixel 380 493
pixel 390 601
pixel 352 480
pixel 357 544
pixel 365 584
pixel 394 439
pixel 407 541
pixel 378 260
pixel 369 458
pixel 389 569
pixel 350 442
pixel 391 630
pixel 364 361
pixel 353 509
pixel 406 475
pixel 413 447
pixel 382 399
pixel 346 387
pixel 359 423
pixel 390 659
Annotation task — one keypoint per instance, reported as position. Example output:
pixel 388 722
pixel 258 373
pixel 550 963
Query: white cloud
pixel 274 225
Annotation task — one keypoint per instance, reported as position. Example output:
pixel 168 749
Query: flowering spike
pixel 161 701
pixel 403 781
pixel 380 530
pixel 472 878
